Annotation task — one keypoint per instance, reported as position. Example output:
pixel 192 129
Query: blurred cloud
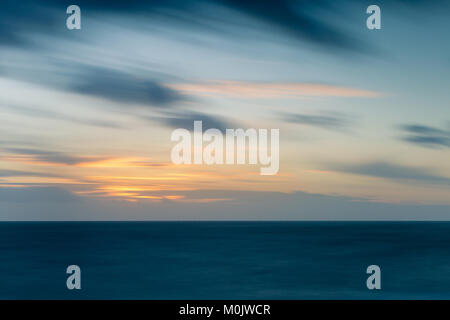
pixel 247 89
pixel 426 136
pixel 53 158
pixel 107 82
pixel 185 120
pixel 329 121
pixel 41 113
pixel 290 17
pixel 123 87
pixel 295 19
pixel 392 171
pixel 45 157
pixel 18 173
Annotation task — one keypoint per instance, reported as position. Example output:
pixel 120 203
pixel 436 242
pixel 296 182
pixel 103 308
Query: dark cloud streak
pixel 291 17
pixel 50 156
pixel 426 136
pixel 123 87
pixel 17 173
pixel 185 120
pixel 330 121
pixel 392 171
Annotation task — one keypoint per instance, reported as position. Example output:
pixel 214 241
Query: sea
pixel 225 260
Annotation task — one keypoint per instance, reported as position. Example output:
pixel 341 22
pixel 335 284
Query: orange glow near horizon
pixel 136 178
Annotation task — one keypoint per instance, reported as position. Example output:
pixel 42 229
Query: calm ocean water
pixel 225 260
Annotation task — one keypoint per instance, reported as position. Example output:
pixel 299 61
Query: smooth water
pixel 225 260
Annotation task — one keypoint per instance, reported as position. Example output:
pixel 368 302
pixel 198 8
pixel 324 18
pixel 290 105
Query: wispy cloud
pixel 392 171
pixel 54 158
pixel 325 120
pixel 47 114
pixel 19 173
pixel 288 17
pixel 294 19
pixel 108 82
pixel 123 87
pixel 185 120
pixel 271 90
pixel 45 157
pixel 426 136
pixel 123 162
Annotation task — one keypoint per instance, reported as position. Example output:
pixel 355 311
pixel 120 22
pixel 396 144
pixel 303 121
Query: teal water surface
pixel 225 260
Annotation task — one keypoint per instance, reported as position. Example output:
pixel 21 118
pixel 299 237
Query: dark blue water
pixel 225 260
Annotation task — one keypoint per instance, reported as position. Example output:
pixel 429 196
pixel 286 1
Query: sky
pixel 87 115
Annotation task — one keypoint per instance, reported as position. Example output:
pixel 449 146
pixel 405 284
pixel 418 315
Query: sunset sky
pixel 86 115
